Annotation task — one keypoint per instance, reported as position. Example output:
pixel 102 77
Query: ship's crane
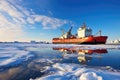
pixel 66 34
pixel 69 31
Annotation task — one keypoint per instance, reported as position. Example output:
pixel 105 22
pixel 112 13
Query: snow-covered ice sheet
pixel 76 72
pixel 10 55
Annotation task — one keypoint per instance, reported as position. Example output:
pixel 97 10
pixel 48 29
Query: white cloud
pixel 48 22
pixel 14 17
pixel 10 22
pixel 30 20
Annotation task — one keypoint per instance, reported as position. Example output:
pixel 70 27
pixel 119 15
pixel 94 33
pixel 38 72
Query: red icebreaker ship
pixel 84 36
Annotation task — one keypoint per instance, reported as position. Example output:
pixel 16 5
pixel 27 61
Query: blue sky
pixel 41 20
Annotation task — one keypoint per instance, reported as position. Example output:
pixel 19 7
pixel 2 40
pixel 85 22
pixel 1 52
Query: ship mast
pixel 63 32
pixel 84 25
pixel 99 32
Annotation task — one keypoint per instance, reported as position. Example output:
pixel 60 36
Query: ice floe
pixel 12 55
pixel 44 61
pixel 76 72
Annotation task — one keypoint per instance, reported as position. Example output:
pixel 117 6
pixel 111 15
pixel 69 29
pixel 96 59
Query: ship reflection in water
pixel 83 56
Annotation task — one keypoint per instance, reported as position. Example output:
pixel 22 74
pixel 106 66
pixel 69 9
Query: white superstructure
pixel 84 32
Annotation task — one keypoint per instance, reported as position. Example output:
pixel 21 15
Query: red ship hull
pixel 85 40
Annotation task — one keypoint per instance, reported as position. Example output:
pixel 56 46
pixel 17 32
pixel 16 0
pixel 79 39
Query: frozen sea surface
pixel 59 62
pixel 76 72
pixel 12 55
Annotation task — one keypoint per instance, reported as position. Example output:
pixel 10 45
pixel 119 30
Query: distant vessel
pixel 83 36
